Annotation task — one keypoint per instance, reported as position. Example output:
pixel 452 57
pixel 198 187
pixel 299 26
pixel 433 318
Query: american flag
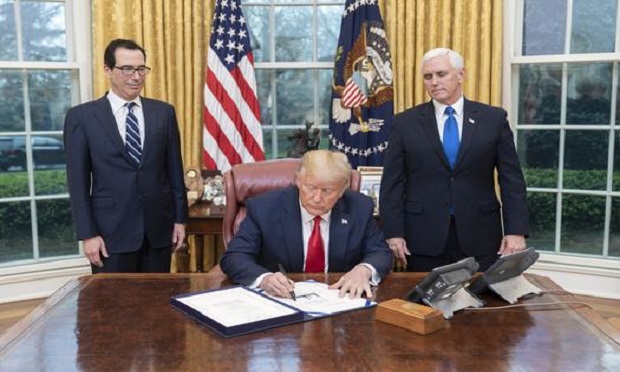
pixel 232 131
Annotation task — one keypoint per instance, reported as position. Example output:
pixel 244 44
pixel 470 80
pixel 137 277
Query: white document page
pixel 317 299
pixel 235 306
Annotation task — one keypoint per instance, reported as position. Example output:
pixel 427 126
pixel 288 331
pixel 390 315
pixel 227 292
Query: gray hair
pixel 455 59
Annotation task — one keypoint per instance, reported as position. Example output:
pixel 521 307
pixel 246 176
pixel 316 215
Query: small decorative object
pixel 214 190
pixel 371 184
pixel 304 140
pixel 193 184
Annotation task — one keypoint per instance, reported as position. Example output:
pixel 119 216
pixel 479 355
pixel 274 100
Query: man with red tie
pixel 317 225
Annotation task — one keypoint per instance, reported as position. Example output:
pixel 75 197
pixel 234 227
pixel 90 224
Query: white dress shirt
pixel 307 225
pixel 120 114
pixel 441 116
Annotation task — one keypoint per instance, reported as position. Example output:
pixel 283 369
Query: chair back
pixel 244 181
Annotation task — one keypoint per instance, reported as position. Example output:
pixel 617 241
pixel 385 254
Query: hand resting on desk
pixel 356 282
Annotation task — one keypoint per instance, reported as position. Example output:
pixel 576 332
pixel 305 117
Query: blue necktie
pixel 133 144
pixel 451 137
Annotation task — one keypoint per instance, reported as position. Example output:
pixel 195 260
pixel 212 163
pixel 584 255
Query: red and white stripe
pixel 232 131
pixel 352 96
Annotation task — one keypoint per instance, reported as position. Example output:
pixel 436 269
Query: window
pixel 566 102
pixel 294 44
pixel 39 80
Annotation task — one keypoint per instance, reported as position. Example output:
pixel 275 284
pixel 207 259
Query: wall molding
pixel 27 282
pixel 581 275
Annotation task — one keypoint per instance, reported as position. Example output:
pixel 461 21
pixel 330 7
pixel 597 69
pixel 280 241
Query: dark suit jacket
pixel 271 234
pixel 418 185
pixel 112 197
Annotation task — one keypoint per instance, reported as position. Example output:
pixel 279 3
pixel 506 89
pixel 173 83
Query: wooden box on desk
pixel 414 317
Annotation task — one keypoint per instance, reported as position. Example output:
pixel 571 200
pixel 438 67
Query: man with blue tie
pixel 438 201
pixel 125 172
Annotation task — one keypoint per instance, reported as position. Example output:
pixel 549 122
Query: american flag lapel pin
pixel 344 221
pixel 472 121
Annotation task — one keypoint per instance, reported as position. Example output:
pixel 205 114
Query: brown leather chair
pixel 246 180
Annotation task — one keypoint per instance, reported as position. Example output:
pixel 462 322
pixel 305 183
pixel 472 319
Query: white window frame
pixel 275 129
pixel 571 270
pixel 27 279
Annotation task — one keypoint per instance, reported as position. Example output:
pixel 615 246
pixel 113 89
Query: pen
pixel 283 272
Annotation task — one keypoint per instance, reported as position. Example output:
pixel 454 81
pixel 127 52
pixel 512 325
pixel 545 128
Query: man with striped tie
pixel 125 172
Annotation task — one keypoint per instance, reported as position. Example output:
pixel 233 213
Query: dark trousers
pixel 451 254
pixel 145 260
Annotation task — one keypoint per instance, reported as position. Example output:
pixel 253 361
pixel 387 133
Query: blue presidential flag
pixel 362 98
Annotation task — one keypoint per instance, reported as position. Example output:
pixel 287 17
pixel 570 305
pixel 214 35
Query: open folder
pixel 237 310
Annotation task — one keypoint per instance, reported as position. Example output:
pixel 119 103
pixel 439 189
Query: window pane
pixel 589 94
pixel 328 31
pixel 11 101
pixel 15 232
pixel 294 34
pixel 616 180
pixel 50 98
pixel 48 155
pixel 294 92
pixel 43 31
pixel 325 94
pixel 583 220
pixel 618 94
pixel 8 31
pixel 56 236
pixel 268 143
pixel 544 27
pixel 13 175
pixel 614 229
pixel 541 207
pixel 585 159
pixel 594 26
pixel 297 142
pixel 264 79
pixel 284 143
pixel 538 153
pixel 540 94
pixel 258 24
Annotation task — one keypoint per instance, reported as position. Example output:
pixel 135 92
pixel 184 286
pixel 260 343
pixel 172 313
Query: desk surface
pixel 118 322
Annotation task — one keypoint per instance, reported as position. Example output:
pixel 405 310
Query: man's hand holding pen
pixel 278 284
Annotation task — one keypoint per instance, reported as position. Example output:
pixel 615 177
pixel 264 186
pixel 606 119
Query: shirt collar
pixel 440 108
pixel 307 217
pixel 117 102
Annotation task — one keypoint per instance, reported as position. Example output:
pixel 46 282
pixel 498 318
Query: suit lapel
pixel 150 120
pixel 429 123
pixel 291 225
pixel 338 234
pixel 470 125
pixel 104 115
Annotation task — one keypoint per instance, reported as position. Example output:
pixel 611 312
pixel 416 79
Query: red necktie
pixel 315 259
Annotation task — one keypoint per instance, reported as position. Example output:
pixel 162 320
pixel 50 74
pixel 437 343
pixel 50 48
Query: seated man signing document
pixel 318 225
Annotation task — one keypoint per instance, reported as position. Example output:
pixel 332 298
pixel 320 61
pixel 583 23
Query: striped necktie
pixel 133 143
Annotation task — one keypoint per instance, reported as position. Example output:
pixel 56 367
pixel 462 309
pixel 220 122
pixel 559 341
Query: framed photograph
pixel 371 183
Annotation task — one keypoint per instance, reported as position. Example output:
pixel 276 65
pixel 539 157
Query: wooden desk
pixel 204 220
pixel 121 322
